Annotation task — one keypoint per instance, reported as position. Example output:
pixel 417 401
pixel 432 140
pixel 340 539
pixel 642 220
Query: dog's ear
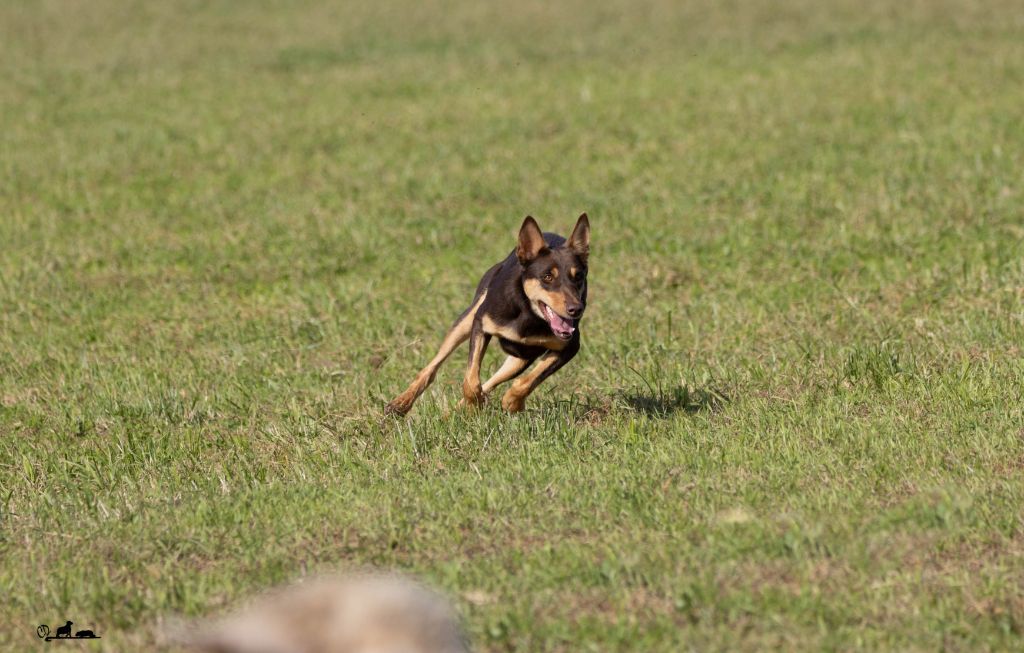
pixel 579 241
pixel 531 241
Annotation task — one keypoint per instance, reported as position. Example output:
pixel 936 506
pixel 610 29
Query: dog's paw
pixel 513 403
pixel 397 408
pixel 473 396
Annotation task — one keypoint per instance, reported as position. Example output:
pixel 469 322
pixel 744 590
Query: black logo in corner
pixel 64 632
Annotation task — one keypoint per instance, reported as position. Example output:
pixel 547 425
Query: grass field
pixel 230 232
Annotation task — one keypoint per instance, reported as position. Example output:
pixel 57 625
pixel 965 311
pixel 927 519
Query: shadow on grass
pixel 664 403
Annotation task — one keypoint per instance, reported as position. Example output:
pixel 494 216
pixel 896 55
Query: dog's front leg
pixel 514 399
pixel 472 392
pixel 510 369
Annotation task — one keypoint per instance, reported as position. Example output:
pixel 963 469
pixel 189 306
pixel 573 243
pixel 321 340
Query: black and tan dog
pixel 532 302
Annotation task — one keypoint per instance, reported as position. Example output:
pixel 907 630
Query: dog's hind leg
pixel 457 335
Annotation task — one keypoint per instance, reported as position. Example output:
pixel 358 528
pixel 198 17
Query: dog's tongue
pixel 561 326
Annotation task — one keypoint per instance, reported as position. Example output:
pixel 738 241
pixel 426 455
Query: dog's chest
pixel 515 334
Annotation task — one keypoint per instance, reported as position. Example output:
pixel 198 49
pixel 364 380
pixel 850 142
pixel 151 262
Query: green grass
pixel 230 232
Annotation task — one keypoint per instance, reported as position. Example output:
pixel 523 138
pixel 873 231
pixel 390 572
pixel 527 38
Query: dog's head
pixel 555 279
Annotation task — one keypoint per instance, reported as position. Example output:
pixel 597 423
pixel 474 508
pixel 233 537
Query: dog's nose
pixel 574 310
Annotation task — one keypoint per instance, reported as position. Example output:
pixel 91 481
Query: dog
pixel 355 613
pixel 532 302
pixel 85 634
pixel 65 630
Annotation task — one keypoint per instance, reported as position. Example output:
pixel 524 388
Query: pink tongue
pixel 558 323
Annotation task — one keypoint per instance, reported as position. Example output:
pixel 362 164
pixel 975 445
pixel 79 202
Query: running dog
pixel 532 302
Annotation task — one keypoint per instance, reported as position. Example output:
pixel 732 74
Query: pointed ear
pixel 531 241
pixel 579 241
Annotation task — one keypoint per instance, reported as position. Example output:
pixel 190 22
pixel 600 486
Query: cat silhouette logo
pixel 64 632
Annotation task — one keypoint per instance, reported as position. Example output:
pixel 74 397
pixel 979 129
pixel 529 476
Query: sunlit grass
pixel 230 232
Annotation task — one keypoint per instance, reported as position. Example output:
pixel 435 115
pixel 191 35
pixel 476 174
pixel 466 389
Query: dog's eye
pixel 548 278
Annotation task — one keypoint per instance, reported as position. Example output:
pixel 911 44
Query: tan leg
pixel 458 334
pixel 511 368
pixel 514 399
pixel 472 392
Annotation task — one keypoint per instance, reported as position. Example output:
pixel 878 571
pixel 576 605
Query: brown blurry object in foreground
pixel 365 613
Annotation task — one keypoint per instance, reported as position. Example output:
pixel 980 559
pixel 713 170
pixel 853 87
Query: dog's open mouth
pixel 560 326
